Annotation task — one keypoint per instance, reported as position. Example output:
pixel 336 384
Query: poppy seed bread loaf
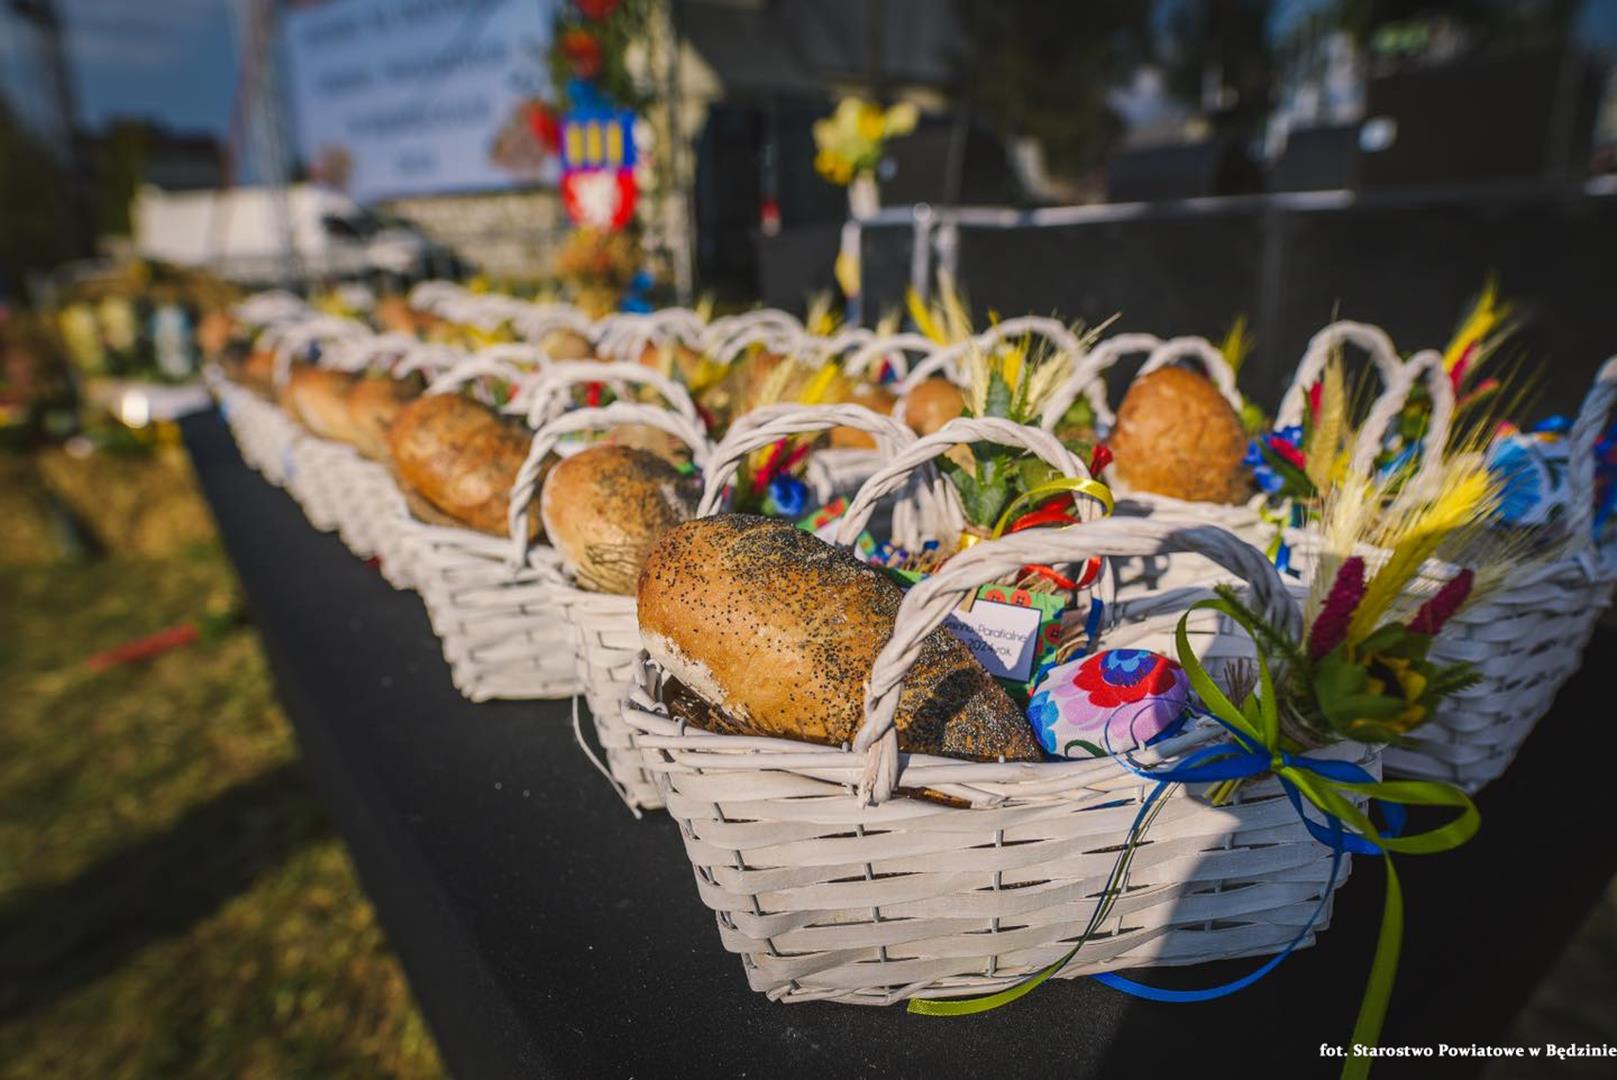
pixel 604 507
pixel 779 630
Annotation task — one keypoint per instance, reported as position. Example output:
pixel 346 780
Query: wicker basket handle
pixel 1207 354
pixel 1592 417
pixel 473 368
pixel 762 320
pixel 928 604
pixel 385 351
pixel 272 306
pixel 426 295
pixel 1372 339
pixel 429 359
pixel 542 319
pixel 947 359
pixel 819 351
pixel 617 414
pixel 897 350
pixel 777 337
pixel 321 328
pixel 767 425
pixel 625 337
pixel 1427 365
pixel 547 398
pixel 1089 379
pixel 919 455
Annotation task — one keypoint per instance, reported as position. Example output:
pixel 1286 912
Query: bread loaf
pixel 461 457
pixel 932 404
pixel 257 372
pixel 374 403
pixel 566 345
pixel 604 507
pixel 394 315
pixel 779 630
pixel 1176 435
pixel 318 399
pixel 878 399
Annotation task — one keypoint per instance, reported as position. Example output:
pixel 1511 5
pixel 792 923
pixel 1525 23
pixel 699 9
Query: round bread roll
pixel 567 345
pixel 373 404
pixel 214 332
pixel 879 400
pixel 1176 435
pixel 394 315
pixel 687 362
pixel 318 398
pixel 603 508
pixel 257 372
pixel 778 630
pixel 654 440
pixel 932 404
pixel 462 458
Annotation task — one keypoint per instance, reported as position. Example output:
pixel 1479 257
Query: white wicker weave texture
pixel 828 895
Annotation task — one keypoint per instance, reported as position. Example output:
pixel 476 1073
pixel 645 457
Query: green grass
pixel 172 902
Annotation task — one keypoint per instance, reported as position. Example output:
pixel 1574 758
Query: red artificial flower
pixel 596 10
pixel 1441 607
pixel 583 51
pixel 1330 628
pixel 1099 458
pixel 1463 364
pixel 1287 452
pixel 1315 392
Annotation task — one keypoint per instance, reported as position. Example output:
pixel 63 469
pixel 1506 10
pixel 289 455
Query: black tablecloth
pixel 546 931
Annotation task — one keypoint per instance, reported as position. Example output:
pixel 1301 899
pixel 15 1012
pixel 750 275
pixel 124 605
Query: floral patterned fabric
pixel 1110 702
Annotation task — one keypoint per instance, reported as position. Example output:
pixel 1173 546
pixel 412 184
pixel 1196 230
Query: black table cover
pixel 545 931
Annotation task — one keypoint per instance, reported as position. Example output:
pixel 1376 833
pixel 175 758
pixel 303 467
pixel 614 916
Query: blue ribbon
pixel 1239 762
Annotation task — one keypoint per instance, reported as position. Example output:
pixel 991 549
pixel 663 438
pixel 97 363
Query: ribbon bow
pixel 1257 748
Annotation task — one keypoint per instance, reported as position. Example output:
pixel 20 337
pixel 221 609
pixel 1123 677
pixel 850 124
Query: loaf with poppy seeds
pixel 604 507
pixel 462 458
pixel 778 631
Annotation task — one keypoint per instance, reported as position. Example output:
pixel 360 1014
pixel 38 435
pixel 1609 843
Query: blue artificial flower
pixel 1523 480
pixel 1606 477
pixel 1268 479
pixel 787 496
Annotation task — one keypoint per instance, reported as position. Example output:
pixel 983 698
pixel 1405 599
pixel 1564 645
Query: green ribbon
pixel 1259 721
pixel 1256 724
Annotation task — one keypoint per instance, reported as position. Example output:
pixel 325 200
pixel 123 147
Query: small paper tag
pixel 1015 645
pixel 1003 637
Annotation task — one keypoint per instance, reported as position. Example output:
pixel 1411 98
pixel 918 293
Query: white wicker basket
pixel 605 634
pixel 828 895
pixel 497 623
pixel 264 434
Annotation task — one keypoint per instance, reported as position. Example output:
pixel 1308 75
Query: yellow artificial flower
pixel 1387 672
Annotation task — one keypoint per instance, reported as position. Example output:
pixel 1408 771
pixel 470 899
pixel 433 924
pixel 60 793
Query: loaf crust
pixel 779 630
pixel 1176 435
pixel 462 458
pixel 604 507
